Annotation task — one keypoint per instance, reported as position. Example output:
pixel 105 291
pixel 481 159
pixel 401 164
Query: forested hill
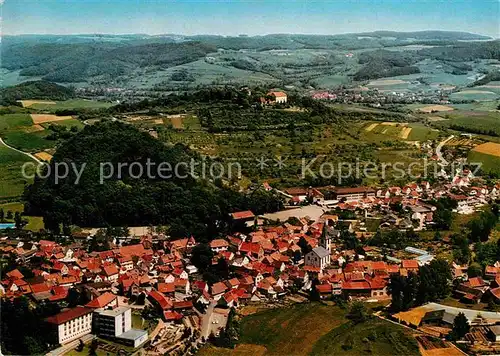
pixel 187 205
pixel 66 63
pixel 35 90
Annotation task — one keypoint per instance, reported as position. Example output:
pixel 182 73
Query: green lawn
pixel 421 133
pixel 373 337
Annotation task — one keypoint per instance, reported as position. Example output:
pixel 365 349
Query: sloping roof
pixel 101 301
pixel 242 215
pixel 15 274
pixel 68 315
pixel 162 301
pixel 320 251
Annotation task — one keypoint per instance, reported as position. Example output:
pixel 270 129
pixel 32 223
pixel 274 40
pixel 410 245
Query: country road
pixel 438 150
pixel 24 153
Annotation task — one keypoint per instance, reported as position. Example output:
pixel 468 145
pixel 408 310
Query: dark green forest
pixel 186 205
pixel 35 90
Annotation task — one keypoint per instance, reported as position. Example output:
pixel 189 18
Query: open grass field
pixel 14 207
pixel 374 337
pixel 29 103
pixel 479 95
pixel 489 162
pixel 67 123
pixel 69 104
pixel 12 182
pixel 28 141
pixel 290 331
pixel 14 121
pixel 44 118
pixel 435 108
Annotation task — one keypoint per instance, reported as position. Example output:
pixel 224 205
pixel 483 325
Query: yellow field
pixel 158 121
pixel 371 127
pixel 431 108
pixel 387 123
pixel 405 133
pixel 44 156
pixel 489 148
pixel 43 118
pixel 28 103
pixel 34 128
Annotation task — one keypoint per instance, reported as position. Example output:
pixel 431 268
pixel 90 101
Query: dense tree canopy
pixel 187 204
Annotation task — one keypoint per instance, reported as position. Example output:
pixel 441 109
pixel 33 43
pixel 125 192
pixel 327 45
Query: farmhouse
pixel 279 96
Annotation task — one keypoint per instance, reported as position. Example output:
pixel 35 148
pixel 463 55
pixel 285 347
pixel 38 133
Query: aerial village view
pixel 273 183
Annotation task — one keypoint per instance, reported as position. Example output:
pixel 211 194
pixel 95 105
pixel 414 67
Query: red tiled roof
pixel 110 270
pixel 250 247
pixel 476 282
pixel 68 315
pixel 217 243
pixel 172 315
pixel 133 250
pixel 166 287
pixel 409 264
pixel 163 302
pixel 356 285
pixel 242 215
pixel 324 288
pixel 101 301
pixel 183 305
pixel 218 288
pixel 16 274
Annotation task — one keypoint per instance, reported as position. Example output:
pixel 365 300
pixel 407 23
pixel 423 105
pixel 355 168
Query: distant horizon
pixel 246 17
pixel 238 35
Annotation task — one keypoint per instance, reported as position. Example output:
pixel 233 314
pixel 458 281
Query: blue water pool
pixel 7 226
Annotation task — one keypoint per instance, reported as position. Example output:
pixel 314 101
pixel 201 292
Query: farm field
pixel 484 122
pixel 45 118
pixel 29 141
pixel 67 104
pixel 69 123
pixel 489 162
pixel 290 331
pixel 489 148
pixel 375 337
pixel 11 180
pixel 29 103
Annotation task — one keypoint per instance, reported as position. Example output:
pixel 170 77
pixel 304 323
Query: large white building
pixel 116 323
pixel 320 256
pixel 71 324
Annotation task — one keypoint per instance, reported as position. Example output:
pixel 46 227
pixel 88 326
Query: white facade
pixel 112 322
pixel 75 328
